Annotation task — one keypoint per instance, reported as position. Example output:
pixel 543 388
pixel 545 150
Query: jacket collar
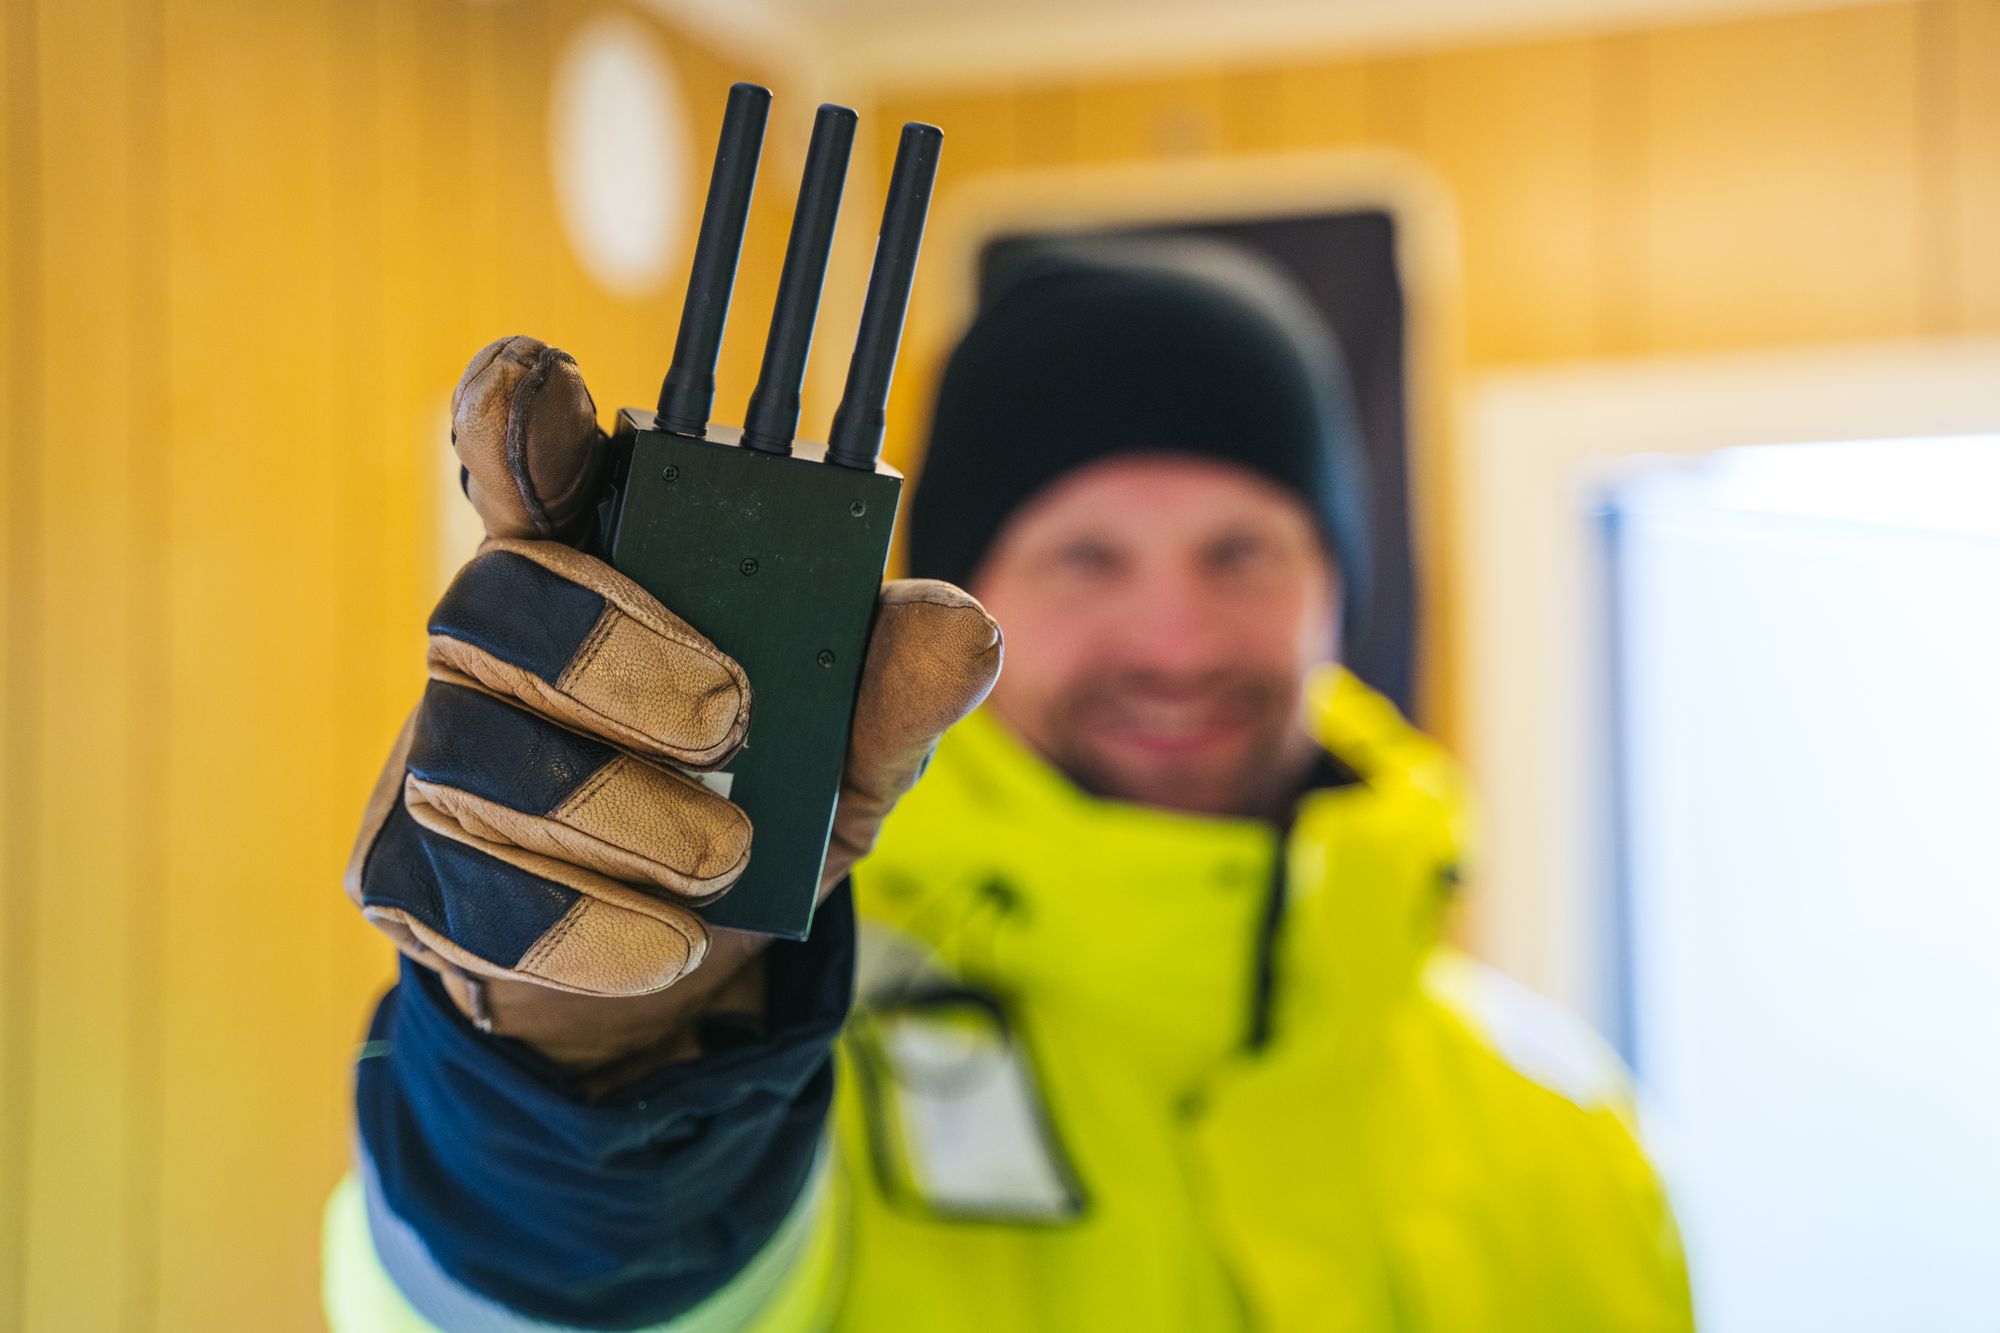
pixel 1147 922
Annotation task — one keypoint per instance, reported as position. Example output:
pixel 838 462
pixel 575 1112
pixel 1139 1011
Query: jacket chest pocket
pixel 958 1126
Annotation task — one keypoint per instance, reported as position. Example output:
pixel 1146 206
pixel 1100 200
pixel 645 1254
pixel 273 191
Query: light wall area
pixel 1542 446
pixel 249 246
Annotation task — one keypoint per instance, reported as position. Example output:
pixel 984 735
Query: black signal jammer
pixel 771 547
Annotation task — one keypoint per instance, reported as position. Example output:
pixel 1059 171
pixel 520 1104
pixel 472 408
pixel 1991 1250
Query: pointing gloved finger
pixel 933 656
pixel 574 640
pixel 526 430
pixel 453 902
pixel 491 775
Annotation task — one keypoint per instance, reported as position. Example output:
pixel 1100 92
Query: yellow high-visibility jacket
pixel 1093 1083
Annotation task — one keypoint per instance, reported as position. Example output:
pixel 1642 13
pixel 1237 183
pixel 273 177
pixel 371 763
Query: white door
pixel 1806 676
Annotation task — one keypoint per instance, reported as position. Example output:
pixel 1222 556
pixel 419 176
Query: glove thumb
pixel 526 430
pixel 932 658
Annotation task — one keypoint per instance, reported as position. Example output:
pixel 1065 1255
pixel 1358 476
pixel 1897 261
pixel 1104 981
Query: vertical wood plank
pixel 1309 104
pixel 484 128
pixel 1394 88
pixel 648 324
pixel 1252 110
pixel 446 300
pixel 1510 131
pixel 520 59
pixel 396 427
pixel 356 367
pixel 1151 119
pixel 253 1117
pixel 80 1252
pixel 1781 182
pixel 310 913
pixel 20 532
pixel 375 553
pixel 1046 128
pixel 1966 70
pixel 148 697
pixel 1619 133
pixel 979 131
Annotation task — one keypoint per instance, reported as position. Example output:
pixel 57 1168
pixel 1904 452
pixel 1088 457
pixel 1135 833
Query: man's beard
pixel 1255 776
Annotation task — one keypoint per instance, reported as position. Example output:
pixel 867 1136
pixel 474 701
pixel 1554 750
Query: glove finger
pixel 500 911
pixel 572 639
pixel 933 656
pixel 525 429
pixel 490 774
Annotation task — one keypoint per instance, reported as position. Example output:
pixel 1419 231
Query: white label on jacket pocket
pixel 962 1104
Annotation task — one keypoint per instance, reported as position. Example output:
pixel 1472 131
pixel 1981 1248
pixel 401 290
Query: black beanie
pixel 1184 347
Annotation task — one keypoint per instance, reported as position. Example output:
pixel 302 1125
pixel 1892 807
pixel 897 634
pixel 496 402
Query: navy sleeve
pixel 616 1212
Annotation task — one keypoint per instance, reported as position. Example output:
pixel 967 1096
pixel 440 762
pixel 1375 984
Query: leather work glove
pixel 531 838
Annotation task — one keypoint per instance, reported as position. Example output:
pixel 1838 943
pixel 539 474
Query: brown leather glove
pixel 533 838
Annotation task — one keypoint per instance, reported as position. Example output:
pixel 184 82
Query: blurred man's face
pixel 1161 615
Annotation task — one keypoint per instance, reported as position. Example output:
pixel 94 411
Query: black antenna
pixel 689 389
pixel 856 438
pixel 773 416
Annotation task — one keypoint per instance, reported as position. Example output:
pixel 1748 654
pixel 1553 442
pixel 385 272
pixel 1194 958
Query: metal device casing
pixel 774 550
pixel 777 559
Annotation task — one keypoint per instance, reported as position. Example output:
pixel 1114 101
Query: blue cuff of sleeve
pixel 443 1304
pixel 608 1214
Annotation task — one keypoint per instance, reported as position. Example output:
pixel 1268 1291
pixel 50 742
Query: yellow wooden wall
pixel 1808 177
pixel 248 247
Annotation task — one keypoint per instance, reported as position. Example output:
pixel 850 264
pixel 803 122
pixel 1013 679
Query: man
pixel 1153 1029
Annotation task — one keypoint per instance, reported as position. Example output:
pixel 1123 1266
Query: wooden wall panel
pixel 1392 101
pixel 1154 119
pixel 236 294
pixel 146 583
pixel 513 79
pixel 1513 133
pixel 1047 124
pixel 20 530
pixel 445 251
pixel 1618 118
pixel 981 134
pixel 1743 183
pixel 1964 78
pixel 381 505
pixel 81 1247
pixel 1301 105
pixel 1781 181
pixel 254 662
